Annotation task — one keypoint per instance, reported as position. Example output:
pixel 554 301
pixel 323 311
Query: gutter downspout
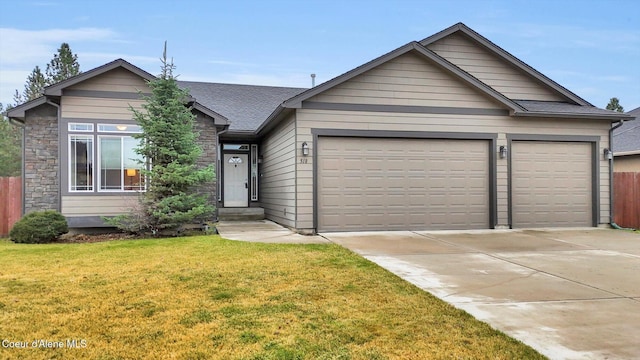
pixel 58 173
pixel 611 207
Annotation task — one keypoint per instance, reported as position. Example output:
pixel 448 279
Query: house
pixel 450 132
pixel 626 145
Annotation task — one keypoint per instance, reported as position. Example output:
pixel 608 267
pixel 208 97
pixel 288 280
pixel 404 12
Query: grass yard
pixel 208 298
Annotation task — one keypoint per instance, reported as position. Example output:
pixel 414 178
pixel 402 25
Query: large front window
pixel 104 161
pixel 119 164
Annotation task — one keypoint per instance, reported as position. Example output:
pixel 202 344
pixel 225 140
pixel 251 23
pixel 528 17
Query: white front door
pixel 236 180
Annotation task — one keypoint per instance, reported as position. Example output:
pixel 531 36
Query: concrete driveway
pixel 570 294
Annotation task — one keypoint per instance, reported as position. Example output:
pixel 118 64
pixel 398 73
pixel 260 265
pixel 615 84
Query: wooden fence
pixel 10 203
pixel 626 199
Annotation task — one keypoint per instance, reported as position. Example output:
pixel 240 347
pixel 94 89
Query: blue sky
pixel 591 47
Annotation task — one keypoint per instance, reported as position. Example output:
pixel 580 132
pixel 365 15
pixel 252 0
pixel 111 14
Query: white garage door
pixel 551 184
pixel 402 184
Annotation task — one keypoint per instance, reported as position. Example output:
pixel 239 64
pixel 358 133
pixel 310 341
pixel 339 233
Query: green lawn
pixel 208 298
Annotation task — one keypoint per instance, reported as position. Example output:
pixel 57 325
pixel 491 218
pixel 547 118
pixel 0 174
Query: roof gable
pixel 408 81
pixel 18 112
pixel 56 89
pixel 296 101
pixel 486 44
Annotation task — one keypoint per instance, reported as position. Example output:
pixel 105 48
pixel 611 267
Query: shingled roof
pixel 246 106
pixel 626 138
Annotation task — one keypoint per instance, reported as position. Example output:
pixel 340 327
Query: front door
pixel 236 180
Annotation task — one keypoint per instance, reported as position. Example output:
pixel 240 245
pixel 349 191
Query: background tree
pixel 34 87
pixel 10 146
pixel 168 141
pixel 614 104
pixel 63 65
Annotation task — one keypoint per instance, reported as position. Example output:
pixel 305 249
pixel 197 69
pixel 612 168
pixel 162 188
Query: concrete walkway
pixel 264 231
pixel 572 294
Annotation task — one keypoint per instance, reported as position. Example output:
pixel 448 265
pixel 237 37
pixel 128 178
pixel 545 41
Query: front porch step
pixel 240 214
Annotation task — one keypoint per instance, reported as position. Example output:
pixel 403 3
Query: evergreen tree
pixel 63 65
pixel 614 104
pixel 10 146
pixel 168 142
pixel 18 98
pixel 34 87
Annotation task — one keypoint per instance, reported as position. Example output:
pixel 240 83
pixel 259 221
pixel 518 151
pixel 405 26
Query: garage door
pixel 401 184
pixel 551 184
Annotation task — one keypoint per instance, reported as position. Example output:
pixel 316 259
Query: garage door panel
pixel 551 184
pixel 402 184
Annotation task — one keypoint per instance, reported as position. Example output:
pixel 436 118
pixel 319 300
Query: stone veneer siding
pixel 208 141
pixel 41 180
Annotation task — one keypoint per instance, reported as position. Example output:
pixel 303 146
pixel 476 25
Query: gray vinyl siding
pixel 278 174
pixel 116 80
pixel 76 107
pixel 500 125
pixel 97 205
pixel 490 69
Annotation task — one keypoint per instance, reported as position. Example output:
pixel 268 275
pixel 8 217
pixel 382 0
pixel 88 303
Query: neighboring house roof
pixel 246 106
pixel 626 138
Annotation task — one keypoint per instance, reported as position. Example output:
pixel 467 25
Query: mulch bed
pixel 93 238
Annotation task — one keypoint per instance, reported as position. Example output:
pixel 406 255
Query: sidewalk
pixel 264 231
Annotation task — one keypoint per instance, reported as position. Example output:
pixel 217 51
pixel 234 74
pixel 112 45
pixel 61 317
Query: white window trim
pixel 93 161
pixel 254 172
pixel 125 130
pixel 71 124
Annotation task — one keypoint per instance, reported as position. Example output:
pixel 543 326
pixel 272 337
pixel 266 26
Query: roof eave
pixel 217 118
pixel 507 56
pixel 18 113
pixel 549 114
pixel 272 120
pixel 244 135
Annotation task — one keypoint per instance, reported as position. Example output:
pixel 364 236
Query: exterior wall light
pixel 503 152
pixel 608 154
pixel 305 149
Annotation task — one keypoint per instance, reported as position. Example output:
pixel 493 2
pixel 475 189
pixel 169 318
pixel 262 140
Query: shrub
pixel 39 227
